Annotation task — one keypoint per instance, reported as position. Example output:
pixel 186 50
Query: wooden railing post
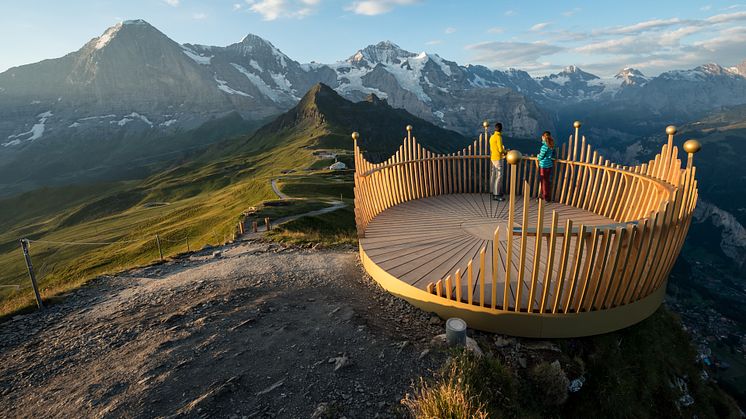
pixel 513 158
pixel 691 147
pixel 596 267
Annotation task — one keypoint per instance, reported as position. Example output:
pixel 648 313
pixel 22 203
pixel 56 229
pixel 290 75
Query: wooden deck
pixel 428 239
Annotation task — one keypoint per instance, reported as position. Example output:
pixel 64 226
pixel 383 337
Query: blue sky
pixel 536 36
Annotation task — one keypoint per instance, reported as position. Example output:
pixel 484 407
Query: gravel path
pixel 277 190
pixel 248 330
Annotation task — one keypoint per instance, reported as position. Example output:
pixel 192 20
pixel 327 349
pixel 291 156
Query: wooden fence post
pixel 158 242
pixel 31 274
pixel 267 223
pixel 254 226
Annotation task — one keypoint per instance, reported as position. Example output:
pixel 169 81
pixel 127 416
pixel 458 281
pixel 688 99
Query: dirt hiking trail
pixel 248 330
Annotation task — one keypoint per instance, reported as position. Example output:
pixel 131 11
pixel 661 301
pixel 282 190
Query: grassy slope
pixel 628 374
pixel 205 198
pixel 201 199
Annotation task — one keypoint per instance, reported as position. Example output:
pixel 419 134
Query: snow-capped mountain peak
pixel 739 69
pixel 631 77
pixel 252 45
pixel 382 52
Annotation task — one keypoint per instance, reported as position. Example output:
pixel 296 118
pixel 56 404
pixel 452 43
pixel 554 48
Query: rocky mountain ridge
pixel 135 82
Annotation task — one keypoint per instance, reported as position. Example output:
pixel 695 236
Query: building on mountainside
pixel 594 259
pixel 338 165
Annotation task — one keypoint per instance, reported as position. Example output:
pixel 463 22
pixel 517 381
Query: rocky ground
pixel 248 330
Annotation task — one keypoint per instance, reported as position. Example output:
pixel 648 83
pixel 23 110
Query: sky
pixel 537 36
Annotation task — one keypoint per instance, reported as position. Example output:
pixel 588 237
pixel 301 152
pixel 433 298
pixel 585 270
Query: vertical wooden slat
pixel 598 269
pixel 457 285
pixel 495 256
pixel 509 236
pixel 546 286
pixel 578 259
pixel 522 258
pixel 566 240
pixel 481 277
pixel 537 256
pixel 470 282
pixel 587 267
pixel 616 277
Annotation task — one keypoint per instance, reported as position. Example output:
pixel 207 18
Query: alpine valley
pixel 136 148
pixel 133 99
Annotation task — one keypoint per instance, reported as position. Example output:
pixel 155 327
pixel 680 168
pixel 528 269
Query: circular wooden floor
pixel 425 240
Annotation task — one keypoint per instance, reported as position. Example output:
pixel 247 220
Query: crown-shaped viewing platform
pixel 593 260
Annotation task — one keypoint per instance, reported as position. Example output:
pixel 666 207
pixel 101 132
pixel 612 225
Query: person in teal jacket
pixel 545 160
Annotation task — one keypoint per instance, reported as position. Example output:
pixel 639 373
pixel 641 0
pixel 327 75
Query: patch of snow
pixel 223 85
pixel 440 115
pixel 131 117
pixel 167 123
pixel 73 125
pixel 256 65
pixel 350 80
pixel 311 66
pixel 257 81
pixel 443 66
pixel 88 118
pixel 35 102
pixel 36 131
pixel 104 39
pixel 199 59
pixel 284 84
pixel 478 81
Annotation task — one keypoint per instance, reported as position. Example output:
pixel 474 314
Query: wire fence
pixel 50 253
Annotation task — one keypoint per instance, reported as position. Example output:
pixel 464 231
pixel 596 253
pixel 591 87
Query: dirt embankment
pixel 256 331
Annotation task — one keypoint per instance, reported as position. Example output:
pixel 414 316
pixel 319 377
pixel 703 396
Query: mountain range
pixel 130 92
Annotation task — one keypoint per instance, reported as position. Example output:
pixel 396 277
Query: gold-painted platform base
pixel 533 325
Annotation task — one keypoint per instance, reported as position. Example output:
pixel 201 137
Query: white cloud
pixel 643 26
pixel 449 30
pixel 434 42
pixel 275 9
pixel 237 6
pixel 173 3
pixel 705 8
pixel 376 7
pixel 727 17
pixel 199 16
pixel 539 26
pixel 496 29
pixel 571 12
pixel 510 13
pixel 524 55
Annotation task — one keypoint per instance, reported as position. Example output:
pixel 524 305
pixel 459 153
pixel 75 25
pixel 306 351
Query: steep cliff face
pixel 732 233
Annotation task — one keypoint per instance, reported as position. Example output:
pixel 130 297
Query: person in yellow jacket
pixel 497 155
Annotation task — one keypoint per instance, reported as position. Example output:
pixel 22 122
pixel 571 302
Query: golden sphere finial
pixel 409 128
pixel 670 130
pixel 485 123
pixel 514 157
pixel 355 135
pixel 692 146
pixel 576 124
